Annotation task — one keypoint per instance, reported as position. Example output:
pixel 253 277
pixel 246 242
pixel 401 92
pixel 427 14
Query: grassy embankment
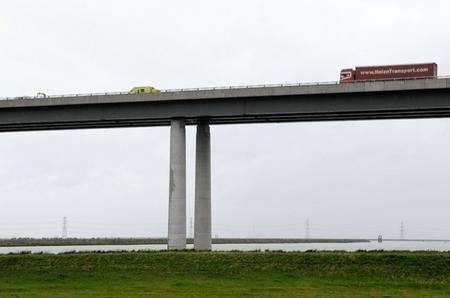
pixel 142 274
pixel 135 241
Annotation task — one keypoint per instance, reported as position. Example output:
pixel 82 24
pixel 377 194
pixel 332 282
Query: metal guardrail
pixel 251 86
pixel 173 90
pixel 201 89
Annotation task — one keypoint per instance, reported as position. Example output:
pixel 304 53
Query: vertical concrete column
pixel 202 231
pixel 177 186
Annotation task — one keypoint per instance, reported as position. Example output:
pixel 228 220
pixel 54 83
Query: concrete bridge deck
pixel 364 100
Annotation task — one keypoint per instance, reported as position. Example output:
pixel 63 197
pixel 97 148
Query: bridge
pixel 429 98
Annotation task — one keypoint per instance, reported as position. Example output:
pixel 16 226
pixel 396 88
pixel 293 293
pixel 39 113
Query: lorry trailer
pixel 389 72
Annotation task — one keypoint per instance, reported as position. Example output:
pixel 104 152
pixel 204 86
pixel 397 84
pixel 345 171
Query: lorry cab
pixel 144 89
pixel 347 75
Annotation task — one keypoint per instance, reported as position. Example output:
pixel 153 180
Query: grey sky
pixel 351 179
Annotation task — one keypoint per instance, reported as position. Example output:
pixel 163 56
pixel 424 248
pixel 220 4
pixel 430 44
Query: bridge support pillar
pixel 177 187
pixel 202 229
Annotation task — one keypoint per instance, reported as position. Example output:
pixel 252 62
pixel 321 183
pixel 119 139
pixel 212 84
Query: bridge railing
pixel 250 86
pixel 64 95
pixel 194 89
pixel 171 90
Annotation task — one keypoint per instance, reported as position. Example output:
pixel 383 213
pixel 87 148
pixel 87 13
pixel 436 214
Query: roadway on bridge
pixel 285 103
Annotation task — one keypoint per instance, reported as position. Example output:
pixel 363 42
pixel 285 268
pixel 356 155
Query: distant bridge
pixel 429 98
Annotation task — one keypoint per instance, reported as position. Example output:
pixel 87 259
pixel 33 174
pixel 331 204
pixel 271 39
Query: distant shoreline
pixel 15 242
pixel 415 240
pixel 155 241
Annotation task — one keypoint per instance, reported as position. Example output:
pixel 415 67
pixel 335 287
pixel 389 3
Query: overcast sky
pixel 350 179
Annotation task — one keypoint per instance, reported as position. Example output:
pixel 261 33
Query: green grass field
pixel 232 274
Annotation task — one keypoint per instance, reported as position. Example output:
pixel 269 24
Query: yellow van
pixel 144 89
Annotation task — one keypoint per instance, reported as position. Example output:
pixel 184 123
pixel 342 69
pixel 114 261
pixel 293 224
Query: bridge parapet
pixel 229 92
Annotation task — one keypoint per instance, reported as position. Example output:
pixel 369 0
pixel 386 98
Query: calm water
pixel 387 245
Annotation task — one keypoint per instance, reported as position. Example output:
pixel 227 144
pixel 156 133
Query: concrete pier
pixel 202 229
pixel 177 186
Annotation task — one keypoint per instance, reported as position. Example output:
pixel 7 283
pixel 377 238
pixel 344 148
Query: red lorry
pixel 389 72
